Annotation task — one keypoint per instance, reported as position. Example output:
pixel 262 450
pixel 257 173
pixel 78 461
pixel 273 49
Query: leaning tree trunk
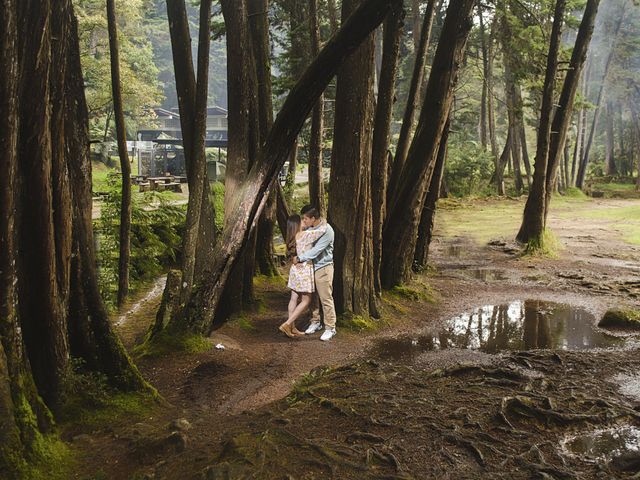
pixel 125 166
pixel 381 133
pixel 533 219
pixel 316 183
pixel 404 211
pixel 413 99
pixel 199 314
pixel 350 193
pixel 564 108
pixel 427 219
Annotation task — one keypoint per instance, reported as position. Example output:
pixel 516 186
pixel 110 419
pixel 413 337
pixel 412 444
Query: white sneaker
pixel 313 328
pixel 328 334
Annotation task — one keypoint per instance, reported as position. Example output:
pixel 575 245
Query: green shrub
pixel 156 239
pixel 468 169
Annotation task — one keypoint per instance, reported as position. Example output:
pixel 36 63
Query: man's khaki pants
pixel 324 288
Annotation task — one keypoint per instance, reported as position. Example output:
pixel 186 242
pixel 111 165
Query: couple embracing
pixel 310 247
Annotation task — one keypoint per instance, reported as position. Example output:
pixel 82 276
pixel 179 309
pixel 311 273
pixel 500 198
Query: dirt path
pixel 258 365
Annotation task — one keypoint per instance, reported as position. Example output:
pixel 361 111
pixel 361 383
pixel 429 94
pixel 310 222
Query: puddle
pixel 454 250
pixel 603 445
pixel 519 325
pixel 486 274
pixel 629 385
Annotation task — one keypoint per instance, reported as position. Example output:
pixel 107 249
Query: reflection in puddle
pixel 519 325
pixel 604 444
pixel 486 274
pixel 629 385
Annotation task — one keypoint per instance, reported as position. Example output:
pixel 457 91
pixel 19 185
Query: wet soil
pixel 431 413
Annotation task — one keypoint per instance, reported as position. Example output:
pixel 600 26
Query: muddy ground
pixel 270 407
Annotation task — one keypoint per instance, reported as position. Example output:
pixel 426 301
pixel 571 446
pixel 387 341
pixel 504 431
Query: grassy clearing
pixel 480 220
pixel 626 220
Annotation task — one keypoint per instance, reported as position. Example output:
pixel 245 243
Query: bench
pixel 144 186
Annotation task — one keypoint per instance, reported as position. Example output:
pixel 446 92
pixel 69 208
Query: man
pixel 322 256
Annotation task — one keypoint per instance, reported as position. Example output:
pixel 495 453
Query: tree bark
pixel 381 133
pixel 18 397
pixel 405 209
pixel 125 166
pixel 43 320
pixel 199 313
pixel 350 193
pixel 490 107
pixel 564 109
pixel 427 219
pixel 316 184
pixel 413 100
pixel 533 219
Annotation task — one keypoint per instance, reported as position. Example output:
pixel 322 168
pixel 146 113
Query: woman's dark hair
pixel 310 211
pixel 293 227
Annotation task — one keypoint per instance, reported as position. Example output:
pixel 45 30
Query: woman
pixel 301 278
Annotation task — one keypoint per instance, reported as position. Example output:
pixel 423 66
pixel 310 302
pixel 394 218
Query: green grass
pixel 625 219
pixel 99 176
pixel 480 220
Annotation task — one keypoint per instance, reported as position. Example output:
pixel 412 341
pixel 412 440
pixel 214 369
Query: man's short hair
pixel 310 211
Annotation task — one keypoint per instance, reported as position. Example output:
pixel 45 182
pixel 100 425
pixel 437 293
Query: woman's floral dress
pixel 301 278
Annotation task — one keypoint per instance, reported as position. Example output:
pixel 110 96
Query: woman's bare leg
pixel 305 300
pixel 293 302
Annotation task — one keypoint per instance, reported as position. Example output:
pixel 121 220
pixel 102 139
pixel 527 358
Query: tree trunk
pixel 316 184
pixel 405 209
pixel 381 133
pixel 350 193
pixel 490 110
pixel 502 162
pixel 564 109
pixel 193 144
pixel 582 170
pixel 19 400
pixel 333 16
pixel 243 142
pixel 89 329
pixel 533 219
pixel 199 314
pixel 427 219
pixel 523 135
pixel 259 24
pixel 125 166
pixel 413 100
pixel 485 90
pixel 43 320
pixel 609 151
